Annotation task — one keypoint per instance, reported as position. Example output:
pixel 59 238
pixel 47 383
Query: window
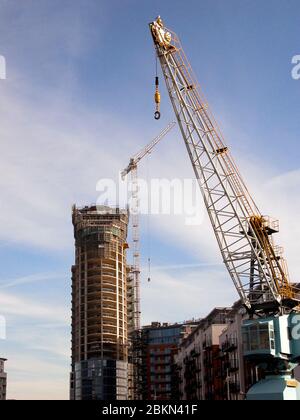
pixel 259 337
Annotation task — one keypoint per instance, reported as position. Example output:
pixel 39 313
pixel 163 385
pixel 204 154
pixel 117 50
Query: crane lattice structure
pixel 244 235
pixel 134 211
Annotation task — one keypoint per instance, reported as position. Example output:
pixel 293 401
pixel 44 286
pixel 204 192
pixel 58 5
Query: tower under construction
pixel 99 304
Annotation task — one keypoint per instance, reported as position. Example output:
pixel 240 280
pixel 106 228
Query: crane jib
pixel 245 237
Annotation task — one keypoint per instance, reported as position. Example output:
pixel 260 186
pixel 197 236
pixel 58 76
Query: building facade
pixel 99 305
pixel 159 344
pixel 231 355
pixel 3 380
pixel 210 361
pixel 198 363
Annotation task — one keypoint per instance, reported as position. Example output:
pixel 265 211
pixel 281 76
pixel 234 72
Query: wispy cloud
pixel 63 162
pixel 37 347
pixel 31 377
pixel 32 278
pixel 179 266
pixel 185 295
pixel 21 307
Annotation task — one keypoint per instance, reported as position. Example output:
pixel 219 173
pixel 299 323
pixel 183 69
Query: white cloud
pixel 48 163
pixel 32 278
pixel 46 339
pixel 184 294
pixel 26 308
pixel 42 389
pixel 283 201
pixel 37 348
pixel 32 378
pixel 276 195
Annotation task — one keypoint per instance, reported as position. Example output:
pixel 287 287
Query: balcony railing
pixel 233 365
pixel 229 345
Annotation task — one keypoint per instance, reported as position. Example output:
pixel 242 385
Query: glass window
pixel 257 337
pixel 246 342
pixel 264 337
pixel 253 337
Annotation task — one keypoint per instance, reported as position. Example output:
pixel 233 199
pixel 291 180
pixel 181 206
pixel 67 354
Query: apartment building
pixel 99 304
pixel 198 362
pixel 3 379
pixel 231 356
pixel 158 346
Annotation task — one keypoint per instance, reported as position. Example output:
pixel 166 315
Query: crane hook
pixel 149 270
pixel 157 99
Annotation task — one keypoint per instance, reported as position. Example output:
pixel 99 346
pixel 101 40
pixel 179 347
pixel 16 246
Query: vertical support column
pixel 123 302
pixel 136 247
pixel 101 308
pixel 202 366
pixel 78 284
pixel 85 305
pixel 240 354
pixel 117 299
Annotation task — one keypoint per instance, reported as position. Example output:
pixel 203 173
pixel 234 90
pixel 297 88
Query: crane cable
pixel 148 223
pixel 157 93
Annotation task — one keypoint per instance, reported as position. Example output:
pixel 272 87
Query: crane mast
pixel 132 170
pixel 244 235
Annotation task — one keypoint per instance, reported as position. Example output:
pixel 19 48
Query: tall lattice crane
pixel 243 234
pixel 134 211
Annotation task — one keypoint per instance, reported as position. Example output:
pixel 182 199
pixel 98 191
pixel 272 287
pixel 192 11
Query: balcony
pixel 162 363
pixel 207 344
pixel 229 345
pixel 195 353
pixel 233 365
pixel 162 381
pixel 234 387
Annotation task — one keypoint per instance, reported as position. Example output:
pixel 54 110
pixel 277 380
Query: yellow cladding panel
pixel 291 383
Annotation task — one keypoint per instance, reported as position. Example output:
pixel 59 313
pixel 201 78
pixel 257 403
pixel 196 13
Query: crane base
pixel 275 388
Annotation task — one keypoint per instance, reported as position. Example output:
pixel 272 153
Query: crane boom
pixel 146 150
pixel 243 234
pixel 132 169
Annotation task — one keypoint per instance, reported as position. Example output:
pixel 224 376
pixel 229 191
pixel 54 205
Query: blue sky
pixel 78 101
